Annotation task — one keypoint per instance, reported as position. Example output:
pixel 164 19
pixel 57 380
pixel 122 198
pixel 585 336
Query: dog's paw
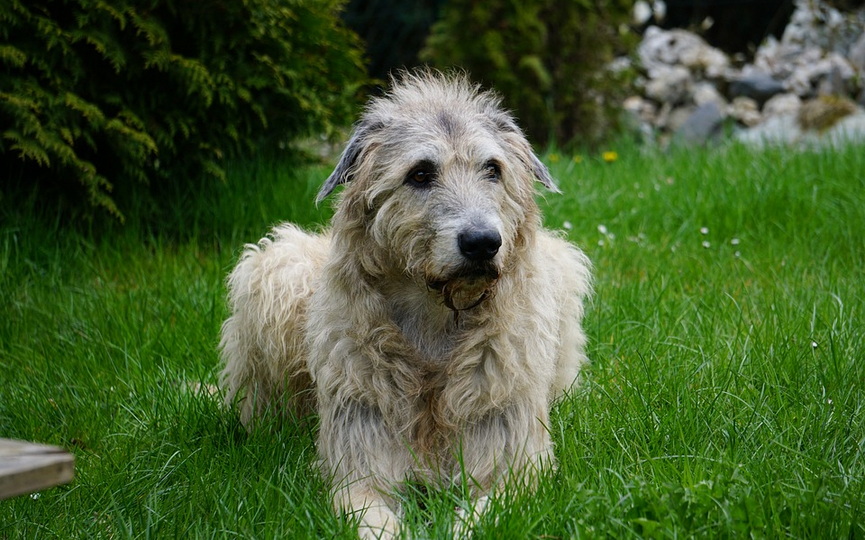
pixel 468 518
pixel 379 522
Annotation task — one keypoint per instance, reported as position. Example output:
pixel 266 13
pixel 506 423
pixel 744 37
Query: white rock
pixel 777 130
pixel 663 117
pixel 816 24
pixel 755 84
pixel 745 110
pixel 784 130
pixel 702 126
pixel 816 52
pixel 822 52
pixel 659 10
pixel 679 116
pixel 807 76
pixel 641 13
pixel 669 84
pixel 850 130
pixel 705 92
pixel 665 48
pixel 782 104
pixel 856 55
pixel 641 108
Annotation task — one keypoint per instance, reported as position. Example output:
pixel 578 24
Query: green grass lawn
pixel 726 396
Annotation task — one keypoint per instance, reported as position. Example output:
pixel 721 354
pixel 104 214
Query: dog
pixel 433 324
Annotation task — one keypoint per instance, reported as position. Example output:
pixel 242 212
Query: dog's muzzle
pixel 469 287
pixel 470 283
pixel 457 298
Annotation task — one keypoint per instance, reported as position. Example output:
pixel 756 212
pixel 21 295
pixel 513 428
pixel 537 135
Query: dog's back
pixel 262 342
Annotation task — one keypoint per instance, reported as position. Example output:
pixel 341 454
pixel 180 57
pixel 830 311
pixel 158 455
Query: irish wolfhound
pixel 434 323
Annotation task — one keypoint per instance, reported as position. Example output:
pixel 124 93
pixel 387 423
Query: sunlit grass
pixel 725 398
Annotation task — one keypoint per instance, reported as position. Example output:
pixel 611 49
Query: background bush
pixel 394 31
pixel 546 58
pixel 105 95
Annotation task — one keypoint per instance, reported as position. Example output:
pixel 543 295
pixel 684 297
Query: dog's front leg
pixel 377 518
pixel 505 446
pixel 366 461
pixel 468 517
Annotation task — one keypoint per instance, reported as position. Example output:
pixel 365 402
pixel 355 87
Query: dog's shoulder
pixel 287 259
pixel 288 243
pixel 559 259
pixel 291 236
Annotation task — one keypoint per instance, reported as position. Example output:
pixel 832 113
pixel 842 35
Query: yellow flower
pixel 578 159
pixel 554 158
pixel 610 156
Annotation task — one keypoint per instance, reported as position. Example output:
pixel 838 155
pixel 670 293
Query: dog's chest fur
pixel 431 331
pixel 434 332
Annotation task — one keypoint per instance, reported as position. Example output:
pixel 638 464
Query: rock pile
pixel 801 89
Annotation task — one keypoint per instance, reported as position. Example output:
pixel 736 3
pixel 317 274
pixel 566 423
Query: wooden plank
pixel 27 467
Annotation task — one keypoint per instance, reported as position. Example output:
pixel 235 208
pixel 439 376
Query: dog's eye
pixel 492 171
pixel 421 176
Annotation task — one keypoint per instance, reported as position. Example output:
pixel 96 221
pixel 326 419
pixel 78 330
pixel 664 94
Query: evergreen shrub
pixel 394 31
pixel 548 59
pixel 104 94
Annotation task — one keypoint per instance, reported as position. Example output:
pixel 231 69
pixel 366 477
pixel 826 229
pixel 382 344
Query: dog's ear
pixel 518 140
pixel 542 173
pixel 345 168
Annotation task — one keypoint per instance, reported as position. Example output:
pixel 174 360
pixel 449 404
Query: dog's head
pixel 440 186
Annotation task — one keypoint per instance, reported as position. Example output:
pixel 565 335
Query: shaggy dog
pixel 432 326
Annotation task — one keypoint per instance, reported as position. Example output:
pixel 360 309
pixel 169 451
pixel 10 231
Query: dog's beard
pixel 468 287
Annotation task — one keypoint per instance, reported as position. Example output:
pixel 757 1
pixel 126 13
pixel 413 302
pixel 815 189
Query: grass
pixel 726 396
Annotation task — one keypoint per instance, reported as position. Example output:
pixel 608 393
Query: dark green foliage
pixel 738 28
pixel 546 58
pixel 394 30
pixel 110 94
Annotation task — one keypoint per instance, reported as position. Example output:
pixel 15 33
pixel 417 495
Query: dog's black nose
pixel 479 245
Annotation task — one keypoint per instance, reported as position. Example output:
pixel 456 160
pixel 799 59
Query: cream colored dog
pixel 432 326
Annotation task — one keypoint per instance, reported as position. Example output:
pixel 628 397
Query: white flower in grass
pixel 706 244
pixel 567 225
pixel 813 344
pixel 704 230
pixel 639 239
pixel 734 241
pixel 602 229
pixel 35 496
